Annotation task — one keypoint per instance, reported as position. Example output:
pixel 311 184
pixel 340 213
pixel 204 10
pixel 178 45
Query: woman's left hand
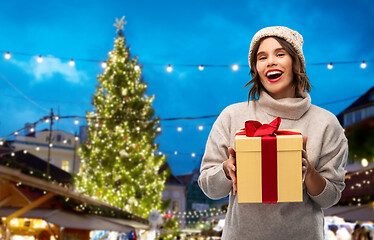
pixel 314 181
pixel 307 167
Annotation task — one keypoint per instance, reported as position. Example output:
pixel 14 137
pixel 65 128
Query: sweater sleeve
pixel 212 180
pixel 334 155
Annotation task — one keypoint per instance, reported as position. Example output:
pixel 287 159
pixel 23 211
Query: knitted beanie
pixel 291 36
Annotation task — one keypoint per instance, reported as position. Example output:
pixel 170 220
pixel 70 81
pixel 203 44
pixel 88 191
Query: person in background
pixel 279 88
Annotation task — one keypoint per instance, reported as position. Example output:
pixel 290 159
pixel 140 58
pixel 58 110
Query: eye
pixel 261 58
pixel 281 54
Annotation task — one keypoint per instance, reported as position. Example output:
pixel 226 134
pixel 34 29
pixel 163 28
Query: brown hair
pixel 300 81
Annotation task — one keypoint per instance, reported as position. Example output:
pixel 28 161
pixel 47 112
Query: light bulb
pixel 201 127
pixel 193 155
pixel 72 63
pixel 179 129
pixel 364 162
pixel 363 65
pixel 330 66
pixel 169 68
pixel 235 67
pixel 39 59
pixel 76 122
pixel 57 118
pixel 137 68
pixel 201 67
pixel 103 65
pixel 175 153
pixel 7 55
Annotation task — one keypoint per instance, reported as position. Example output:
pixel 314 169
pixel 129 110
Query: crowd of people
pixel 360 232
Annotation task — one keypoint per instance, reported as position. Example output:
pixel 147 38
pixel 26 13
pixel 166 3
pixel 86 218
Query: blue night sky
pixel 172 32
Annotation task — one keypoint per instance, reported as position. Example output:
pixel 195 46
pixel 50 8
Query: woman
pixel 279 88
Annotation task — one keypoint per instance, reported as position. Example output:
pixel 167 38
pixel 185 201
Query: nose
pixel 271 61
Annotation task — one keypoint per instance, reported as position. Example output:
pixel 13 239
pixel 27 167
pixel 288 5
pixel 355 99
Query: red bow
pixel 256 129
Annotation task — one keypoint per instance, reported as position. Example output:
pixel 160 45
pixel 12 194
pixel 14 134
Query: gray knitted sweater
pixel 327 150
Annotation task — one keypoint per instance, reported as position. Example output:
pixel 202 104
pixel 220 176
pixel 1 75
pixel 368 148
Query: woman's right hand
pixel 229 166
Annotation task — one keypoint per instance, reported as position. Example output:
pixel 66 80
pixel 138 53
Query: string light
pixel 176 153
pixel 7 55
pixel 136 68
pixel 363 65
pixel 330 66
pixel 235 67
pixel 201 127
pixel 39 59
pixel 37 148
pixel 364 162
pixel 76 122
pixel 25 151
pixel 179 129
pixel 193 154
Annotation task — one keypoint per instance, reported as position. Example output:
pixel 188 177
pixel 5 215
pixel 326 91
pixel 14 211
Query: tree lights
pixel 120 166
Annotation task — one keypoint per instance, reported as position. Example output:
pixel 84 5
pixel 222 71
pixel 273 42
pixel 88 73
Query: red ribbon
pixel 268 133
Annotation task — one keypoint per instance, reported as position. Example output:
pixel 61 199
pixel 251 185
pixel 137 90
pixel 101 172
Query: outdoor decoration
pixel 119 165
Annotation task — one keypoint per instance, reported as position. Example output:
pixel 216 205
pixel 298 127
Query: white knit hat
pixel 291 36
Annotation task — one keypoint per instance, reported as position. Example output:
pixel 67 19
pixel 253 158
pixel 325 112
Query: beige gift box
pixel 289 168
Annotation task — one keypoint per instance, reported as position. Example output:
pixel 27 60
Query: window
pixel 175 206
pixel 358 116
pixel 370 111
pixel 65 165
pixel 348 119
pixel 58 138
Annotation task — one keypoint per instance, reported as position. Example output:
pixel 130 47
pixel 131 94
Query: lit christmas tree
pixel 119 165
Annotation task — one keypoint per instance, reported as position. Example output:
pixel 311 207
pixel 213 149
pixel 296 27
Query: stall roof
pixel 69 218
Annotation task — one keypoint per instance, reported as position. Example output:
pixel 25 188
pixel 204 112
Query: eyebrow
pixel 275 50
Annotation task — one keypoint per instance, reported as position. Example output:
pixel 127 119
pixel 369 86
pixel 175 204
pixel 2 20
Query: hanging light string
pixel 169 67
pixel 21 93
pixel 359 181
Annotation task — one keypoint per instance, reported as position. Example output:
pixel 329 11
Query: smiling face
pixel 274 67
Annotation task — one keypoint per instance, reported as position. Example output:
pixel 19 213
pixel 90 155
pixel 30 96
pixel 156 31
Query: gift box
pixel 268 163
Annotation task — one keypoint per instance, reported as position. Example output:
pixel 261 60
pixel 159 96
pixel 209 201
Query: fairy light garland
pixel 170 67
pixel 362 180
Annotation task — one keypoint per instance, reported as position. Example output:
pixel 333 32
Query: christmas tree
pixel 118 161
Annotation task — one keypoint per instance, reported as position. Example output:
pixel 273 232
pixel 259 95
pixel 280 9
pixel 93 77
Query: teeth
pixel 273 73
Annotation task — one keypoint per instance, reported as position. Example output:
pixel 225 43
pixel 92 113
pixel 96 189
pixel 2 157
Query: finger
pixel 305 139
pixel 233 176
pixel 304 154
pixel 304 162
pixel 232 152
pixel 235 188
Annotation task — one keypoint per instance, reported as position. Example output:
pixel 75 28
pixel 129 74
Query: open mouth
pixel 274 75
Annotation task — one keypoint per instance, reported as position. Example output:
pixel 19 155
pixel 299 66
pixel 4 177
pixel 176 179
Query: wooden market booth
pixel 31 206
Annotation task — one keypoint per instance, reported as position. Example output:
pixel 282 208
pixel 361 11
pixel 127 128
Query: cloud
pixel 52 67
